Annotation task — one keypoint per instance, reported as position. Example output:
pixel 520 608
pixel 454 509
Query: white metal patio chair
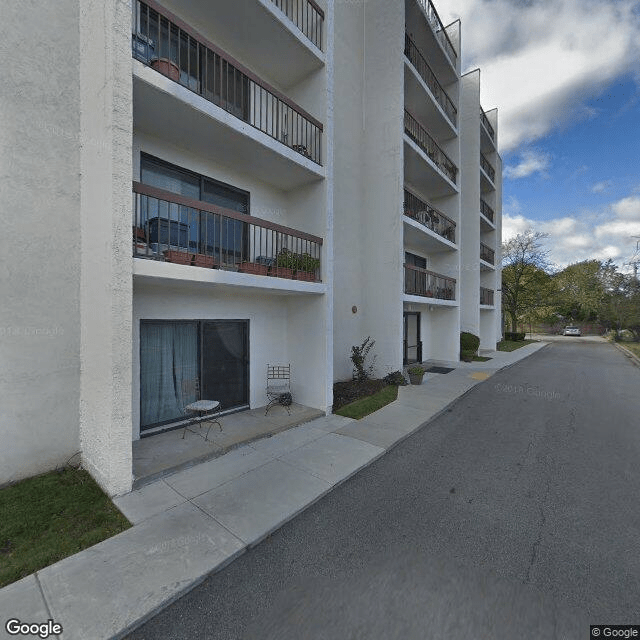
pixel 199 411
pixel 279 386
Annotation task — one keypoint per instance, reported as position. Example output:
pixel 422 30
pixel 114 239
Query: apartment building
pixel 208 187
pixel 416 158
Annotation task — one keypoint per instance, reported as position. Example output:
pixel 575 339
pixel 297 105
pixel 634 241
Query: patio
pixel 158 455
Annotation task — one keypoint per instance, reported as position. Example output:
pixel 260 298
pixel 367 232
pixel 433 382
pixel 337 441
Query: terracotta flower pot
pixel 202 260
pixel 309 276
pixel 282 272
pixel 254 268
pixel 167 68
pixel 179 257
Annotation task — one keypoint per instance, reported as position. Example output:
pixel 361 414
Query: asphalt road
pixel 516 514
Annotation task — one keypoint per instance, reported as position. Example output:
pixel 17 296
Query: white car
pixel 571 331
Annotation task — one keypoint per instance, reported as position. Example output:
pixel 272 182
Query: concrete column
pixel 106 123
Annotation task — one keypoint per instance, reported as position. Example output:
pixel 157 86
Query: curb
pixel 632 356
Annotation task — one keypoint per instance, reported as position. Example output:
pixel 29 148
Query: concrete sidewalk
pixel 194 522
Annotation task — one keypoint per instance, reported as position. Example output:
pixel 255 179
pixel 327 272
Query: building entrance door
pixel 411 338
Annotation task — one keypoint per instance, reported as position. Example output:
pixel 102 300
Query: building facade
pixel 208 187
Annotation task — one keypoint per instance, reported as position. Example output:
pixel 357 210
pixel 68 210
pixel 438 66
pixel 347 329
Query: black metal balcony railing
pixel 306 15
pixel 487 124
pixel 421 282
pixel 486 296
pixel 438 29
pixel 487 168
pixel 486 210
pixel 429 216
pixel 420 136
pixel 174 228
pixel 168 45
pixel 487 254
pixel 422 67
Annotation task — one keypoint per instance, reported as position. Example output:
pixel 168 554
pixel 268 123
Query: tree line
pixel 589 291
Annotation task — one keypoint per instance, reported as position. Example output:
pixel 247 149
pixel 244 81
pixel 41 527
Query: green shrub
pixel 513 336
pixel 395 378
pixel 359 356
pixel 416 370
pixel 469 342
pixel 287 259
pixel 307 262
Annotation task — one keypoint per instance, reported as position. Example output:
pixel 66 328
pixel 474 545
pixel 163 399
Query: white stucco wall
pixel 381 225
pixel 106 284
pixel 347 106
pixel 469 117
pixel 40 214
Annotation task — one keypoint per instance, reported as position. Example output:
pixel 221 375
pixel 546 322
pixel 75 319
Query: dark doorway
pixel 411 338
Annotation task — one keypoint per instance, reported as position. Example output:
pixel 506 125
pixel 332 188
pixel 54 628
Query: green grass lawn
pixel 481 359
pixel 365 406
pixel 50 517
pixel 512 345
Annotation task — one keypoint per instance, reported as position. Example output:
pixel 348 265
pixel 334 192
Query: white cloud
pixel 541 62
pixel 559 226
pixel 627 207
pixel 531 161
pixel 513 225
pixel 622 229
pixel 610 251
pixel 601 234
pixel 600 187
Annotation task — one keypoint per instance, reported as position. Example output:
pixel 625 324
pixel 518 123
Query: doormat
pixel 439 370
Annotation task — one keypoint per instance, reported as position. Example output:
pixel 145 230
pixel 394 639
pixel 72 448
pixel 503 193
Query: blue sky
pixel 565 76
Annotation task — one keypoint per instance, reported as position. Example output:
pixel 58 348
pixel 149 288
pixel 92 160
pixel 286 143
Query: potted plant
pixel 307 267
pixel 179 257
pixel 167 68
pixel 416 373
pixel 469 344
pixel 165 63
pixel 286 264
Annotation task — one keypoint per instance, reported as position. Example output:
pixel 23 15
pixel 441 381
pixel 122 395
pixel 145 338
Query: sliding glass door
pixel 225 370
pixel 185 361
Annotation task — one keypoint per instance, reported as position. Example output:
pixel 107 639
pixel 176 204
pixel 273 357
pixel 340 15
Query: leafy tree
pixel 580 290
pixel 526 283
pixel 620 308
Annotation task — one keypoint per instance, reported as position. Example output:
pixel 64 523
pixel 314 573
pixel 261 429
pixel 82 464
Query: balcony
pixel 487 254
pixel 438 29
pixel 428 284
pixel 164 43
pixel 423 69
pixel 168 227
pixel 429 146
pixel 486 296
pixel 306 15
pixel 487 125
pixel 487 175
pixel 429 217
pixel 488 213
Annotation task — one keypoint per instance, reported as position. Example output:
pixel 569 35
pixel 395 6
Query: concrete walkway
pixel 194 522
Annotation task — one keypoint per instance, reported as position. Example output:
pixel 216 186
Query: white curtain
pixel 168 370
